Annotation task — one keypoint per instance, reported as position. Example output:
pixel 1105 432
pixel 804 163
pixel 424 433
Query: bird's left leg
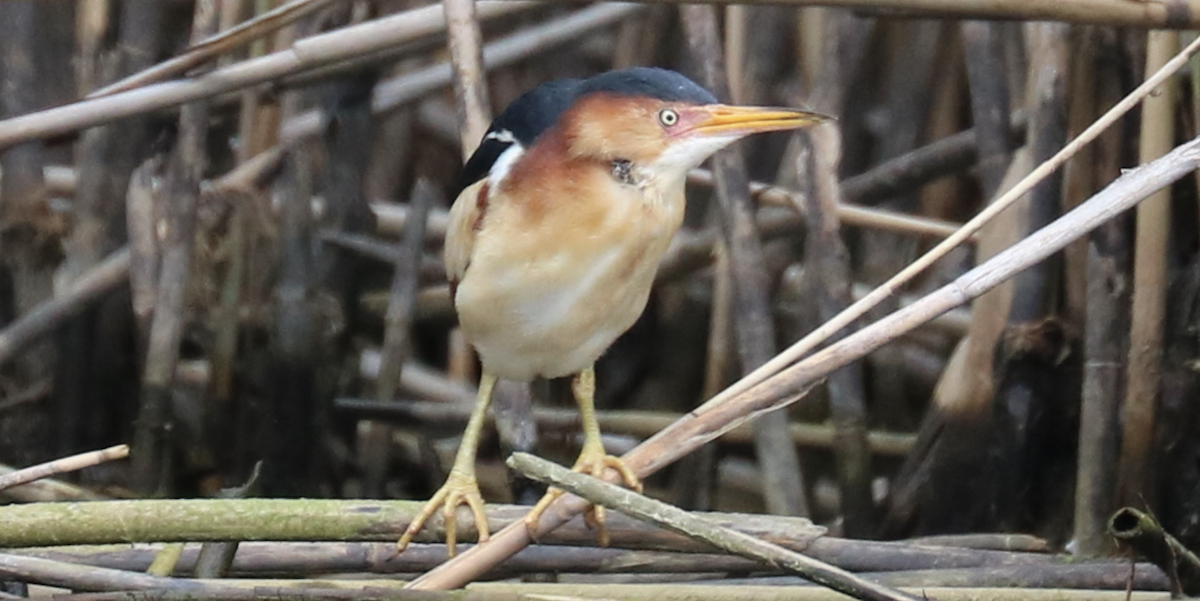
pixel 593 459
pixel 461 488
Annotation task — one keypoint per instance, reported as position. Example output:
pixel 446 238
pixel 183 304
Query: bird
pixel 562 215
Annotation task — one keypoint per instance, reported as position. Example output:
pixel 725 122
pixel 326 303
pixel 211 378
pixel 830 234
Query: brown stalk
pixel 694 484
pixel 28 226
pixel 290 444
pixel 347 140
pixel 182 188
pixel 104 159
pixel 143 212
pixel 474 110
pixel 827 261
pixel 716 417
pixel 1099 12
pixel 403 293
pixel 990 101
pixel 1106 326
pixel 466 56
pixel 906 96
pixel 1024 369
pixel 753 325
pixel 1150 259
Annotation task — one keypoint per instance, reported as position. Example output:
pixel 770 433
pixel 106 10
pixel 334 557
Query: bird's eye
pixel 668 117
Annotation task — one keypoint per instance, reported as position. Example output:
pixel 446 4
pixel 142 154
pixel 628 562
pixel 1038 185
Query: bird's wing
pixel 465 216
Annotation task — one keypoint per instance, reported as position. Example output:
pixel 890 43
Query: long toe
pixel 460 489
pixel 627 474
pixel 535 515
pixel 423 516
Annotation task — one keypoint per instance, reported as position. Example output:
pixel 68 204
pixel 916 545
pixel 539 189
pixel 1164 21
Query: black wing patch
pixel 521 123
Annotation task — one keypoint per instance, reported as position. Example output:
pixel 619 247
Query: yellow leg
pixel 461 487
pixel 592 460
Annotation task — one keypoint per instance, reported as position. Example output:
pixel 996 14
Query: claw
pixel 593 464
pixel 460 489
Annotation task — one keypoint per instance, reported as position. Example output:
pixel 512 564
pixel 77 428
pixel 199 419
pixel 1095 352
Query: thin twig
pixel 672 518
pixel 46 490
pixel 213 47
pixel 62 466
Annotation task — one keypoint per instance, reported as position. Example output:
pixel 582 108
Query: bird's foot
pixel 593 464
pixel 460 488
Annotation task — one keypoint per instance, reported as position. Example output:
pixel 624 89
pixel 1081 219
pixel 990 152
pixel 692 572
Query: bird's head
pixel 666 137
pixel 654 122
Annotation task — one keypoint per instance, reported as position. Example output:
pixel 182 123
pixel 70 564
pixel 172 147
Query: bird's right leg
pixel 461 487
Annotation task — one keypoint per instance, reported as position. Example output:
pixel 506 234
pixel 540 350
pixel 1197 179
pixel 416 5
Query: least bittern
pixel 565 210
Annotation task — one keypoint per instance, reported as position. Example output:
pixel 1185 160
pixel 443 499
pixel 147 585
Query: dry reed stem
pixel 474 110
pixel 1106 313
pixel 674 519
pixel 1180 14
pixel 828 262
pixel 470 86
pixel 1144 370
pixel 708 592
pixel 403 293
pixel 62 466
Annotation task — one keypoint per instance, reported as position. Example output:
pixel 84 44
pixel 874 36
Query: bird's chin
pixel 687 153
